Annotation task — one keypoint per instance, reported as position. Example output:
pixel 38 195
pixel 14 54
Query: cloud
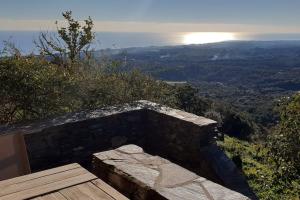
pixel 26 25
pixel 125 26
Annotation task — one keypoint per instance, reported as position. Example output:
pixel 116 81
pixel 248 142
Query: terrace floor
pixel 66 182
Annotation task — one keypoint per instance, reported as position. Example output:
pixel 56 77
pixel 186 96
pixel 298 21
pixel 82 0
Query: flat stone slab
pixel 142 176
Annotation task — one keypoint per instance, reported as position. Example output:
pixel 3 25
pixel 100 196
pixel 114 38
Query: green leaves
pixel 260 170
pixel 33 88
pixel 285 140
pixel 30 88
pixel 65 47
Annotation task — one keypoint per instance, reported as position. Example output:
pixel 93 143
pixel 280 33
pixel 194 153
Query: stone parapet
pixel 141 176
pixel 183 138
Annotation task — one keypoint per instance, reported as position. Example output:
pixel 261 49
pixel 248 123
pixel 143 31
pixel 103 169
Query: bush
pixel 260 170
pixel 285 140
pixel 99 89
pixel 32 88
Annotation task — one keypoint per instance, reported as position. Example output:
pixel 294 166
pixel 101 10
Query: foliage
pixel 36 87
pixel 235 125
pixel 189 100
pixel 260 170
pixel 285 140
pixel 31 88
pixel 272 169
pixel 230 121
pixel 99 89
pixel 70 42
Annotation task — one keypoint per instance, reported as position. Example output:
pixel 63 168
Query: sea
pixel 24 40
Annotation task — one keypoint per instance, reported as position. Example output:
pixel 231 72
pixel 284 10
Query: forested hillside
pixel 250 76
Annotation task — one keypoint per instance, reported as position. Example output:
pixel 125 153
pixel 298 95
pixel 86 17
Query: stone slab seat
pixel 139 175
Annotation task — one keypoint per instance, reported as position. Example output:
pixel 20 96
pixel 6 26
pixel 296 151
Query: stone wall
pixel 76 142
pixel 180 141
pixel 181 137
pixel 190 143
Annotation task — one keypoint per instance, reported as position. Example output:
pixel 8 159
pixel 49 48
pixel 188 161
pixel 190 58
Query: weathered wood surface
pixel 66 182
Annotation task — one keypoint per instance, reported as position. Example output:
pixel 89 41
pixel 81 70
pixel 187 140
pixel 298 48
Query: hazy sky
pixel 266 16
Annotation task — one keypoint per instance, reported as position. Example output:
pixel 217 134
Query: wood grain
pixel 108 189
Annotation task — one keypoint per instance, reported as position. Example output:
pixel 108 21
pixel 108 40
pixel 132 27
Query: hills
pixel 251 76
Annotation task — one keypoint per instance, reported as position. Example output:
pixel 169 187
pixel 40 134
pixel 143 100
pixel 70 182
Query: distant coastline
pixel 116 40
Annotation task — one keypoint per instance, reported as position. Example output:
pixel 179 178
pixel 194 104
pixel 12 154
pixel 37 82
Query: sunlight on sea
pixel 115 40
pixel 207 37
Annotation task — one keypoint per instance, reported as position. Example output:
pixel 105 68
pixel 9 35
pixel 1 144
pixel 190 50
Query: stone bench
pixel 139 175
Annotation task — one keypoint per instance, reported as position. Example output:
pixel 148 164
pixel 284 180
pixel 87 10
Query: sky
pixel 254 16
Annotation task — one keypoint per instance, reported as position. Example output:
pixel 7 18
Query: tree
pixel 189 100
pixel 285 141
pixel 66 47
pixel 31 88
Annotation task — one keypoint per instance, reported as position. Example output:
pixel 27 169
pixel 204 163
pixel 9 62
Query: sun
pixel 207 37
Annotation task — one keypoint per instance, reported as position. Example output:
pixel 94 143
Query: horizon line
pixel 150 27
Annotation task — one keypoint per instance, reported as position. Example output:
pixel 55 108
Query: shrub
pixel 285 140
pixel 31 88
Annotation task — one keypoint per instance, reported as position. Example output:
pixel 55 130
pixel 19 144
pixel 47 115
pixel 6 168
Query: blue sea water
pixel 24 39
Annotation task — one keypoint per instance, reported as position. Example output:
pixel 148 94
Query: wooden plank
pixel 54 186
pixel 73 193
pixel 108 189
pixel 38 174
pixel 42 181
pixel 13 158
pixel 87 191
pixel 52 196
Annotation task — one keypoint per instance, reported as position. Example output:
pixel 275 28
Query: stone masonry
pixel 181 137
pixel 141 176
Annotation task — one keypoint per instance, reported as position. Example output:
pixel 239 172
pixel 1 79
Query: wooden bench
pixel 66 182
